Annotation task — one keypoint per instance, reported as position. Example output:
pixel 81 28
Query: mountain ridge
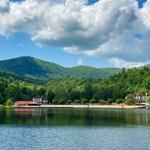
pixel 34 68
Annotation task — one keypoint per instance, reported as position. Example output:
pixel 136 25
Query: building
pixel 40 100
pixel 25 103
pixel 140 97
pixel 37 100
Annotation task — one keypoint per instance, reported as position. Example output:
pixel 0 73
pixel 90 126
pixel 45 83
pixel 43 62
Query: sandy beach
pixel 87 106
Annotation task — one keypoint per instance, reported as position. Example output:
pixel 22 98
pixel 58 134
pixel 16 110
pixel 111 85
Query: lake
pixel 74 129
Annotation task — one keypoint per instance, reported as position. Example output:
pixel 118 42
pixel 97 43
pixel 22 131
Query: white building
pixel 140 97
pixel 40 100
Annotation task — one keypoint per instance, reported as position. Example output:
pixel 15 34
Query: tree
pixel 88 91
pixel 2 101
pixel 99 93
pixel 129 101
pixel 84 101
pixel 9 102
pixel 110 100
pixel 148 100
pixel 61 93
pixel 50 95
pixel 69 102
pixel 101 101
pixel 61 101
pixel 119 100
pixel 77 101
pixel 93 100
pixel 40 91
pixel 129 96
pixel 75 95
pixel 54 101
pixel 146 83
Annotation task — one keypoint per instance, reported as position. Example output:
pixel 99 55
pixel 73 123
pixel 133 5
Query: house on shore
pixel 26 103
pixel 141 97
pixel 36 101
pixel 40 100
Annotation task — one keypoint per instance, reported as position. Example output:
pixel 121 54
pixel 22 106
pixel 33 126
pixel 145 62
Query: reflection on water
pixel 74 117
pixel 72 129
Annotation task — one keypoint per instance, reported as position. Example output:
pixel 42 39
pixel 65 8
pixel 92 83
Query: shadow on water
pixel 74 117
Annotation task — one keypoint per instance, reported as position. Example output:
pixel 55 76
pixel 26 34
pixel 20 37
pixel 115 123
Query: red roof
pixel 23 102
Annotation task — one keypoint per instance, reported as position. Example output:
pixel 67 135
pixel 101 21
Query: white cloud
pixel 121 63
pixel 4 6
pixel 111 29
pixel 144 14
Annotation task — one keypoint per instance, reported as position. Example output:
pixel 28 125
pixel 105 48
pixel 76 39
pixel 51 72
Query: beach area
pixel 87 106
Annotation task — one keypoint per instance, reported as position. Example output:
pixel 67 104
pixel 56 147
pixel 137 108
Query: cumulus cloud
pixel 121 63
pixel 118 30
pixel 4 6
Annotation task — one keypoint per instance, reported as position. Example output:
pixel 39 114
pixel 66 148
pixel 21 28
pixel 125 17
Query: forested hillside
pixel 68 90
pixel 14 88
pixel 33 68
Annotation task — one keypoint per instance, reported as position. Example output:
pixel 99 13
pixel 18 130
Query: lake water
pixel 74 129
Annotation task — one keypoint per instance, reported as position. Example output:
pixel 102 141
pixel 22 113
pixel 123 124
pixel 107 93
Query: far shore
pixel 86 106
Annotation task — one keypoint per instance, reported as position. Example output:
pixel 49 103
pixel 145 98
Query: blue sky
pixel 20 44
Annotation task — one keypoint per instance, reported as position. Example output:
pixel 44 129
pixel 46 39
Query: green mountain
pixel 68 89
pixel 33 68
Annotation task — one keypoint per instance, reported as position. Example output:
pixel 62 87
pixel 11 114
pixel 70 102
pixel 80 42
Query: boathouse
pixel 26 103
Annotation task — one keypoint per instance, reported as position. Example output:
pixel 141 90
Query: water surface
pixel 74 129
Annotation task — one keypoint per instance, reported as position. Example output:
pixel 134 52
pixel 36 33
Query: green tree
pixel 88 91
pixel 129 96
pixel 93 101
pixel 9 102
pixel 50 95
pixel 77 101
pixel 129 101
pixel 101 101
pixel 55 101
pixel 68 102
pixel 84 101
pixel 110 100
pixel 119 100
pixel 61 101
pixel 75 95
pixel 148 100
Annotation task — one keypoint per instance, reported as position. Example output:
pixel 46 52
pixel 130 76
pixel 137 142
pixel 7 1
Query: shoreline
pixel 86 106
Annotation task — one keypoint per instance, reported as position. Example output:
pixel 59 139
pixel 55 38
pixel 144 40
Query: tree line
pixel 72 90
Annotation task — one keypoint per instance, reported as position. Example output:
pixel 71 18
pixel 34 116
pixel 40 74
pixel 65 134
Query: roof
pixel 23 102
pixel 141 94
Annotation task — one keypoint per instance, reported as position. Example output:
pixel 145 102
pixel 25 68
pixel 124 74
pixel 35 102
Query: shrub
pixel 69 102
pixel 77 101
pixel 93 101
pixel 119 100
pixel 129 96
pixel 9 102
pixel 61 101
pixel 84 101
pixel 129 101
pixel 54 101
pixel 148 100
pixel 110 101
pixel 101 101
